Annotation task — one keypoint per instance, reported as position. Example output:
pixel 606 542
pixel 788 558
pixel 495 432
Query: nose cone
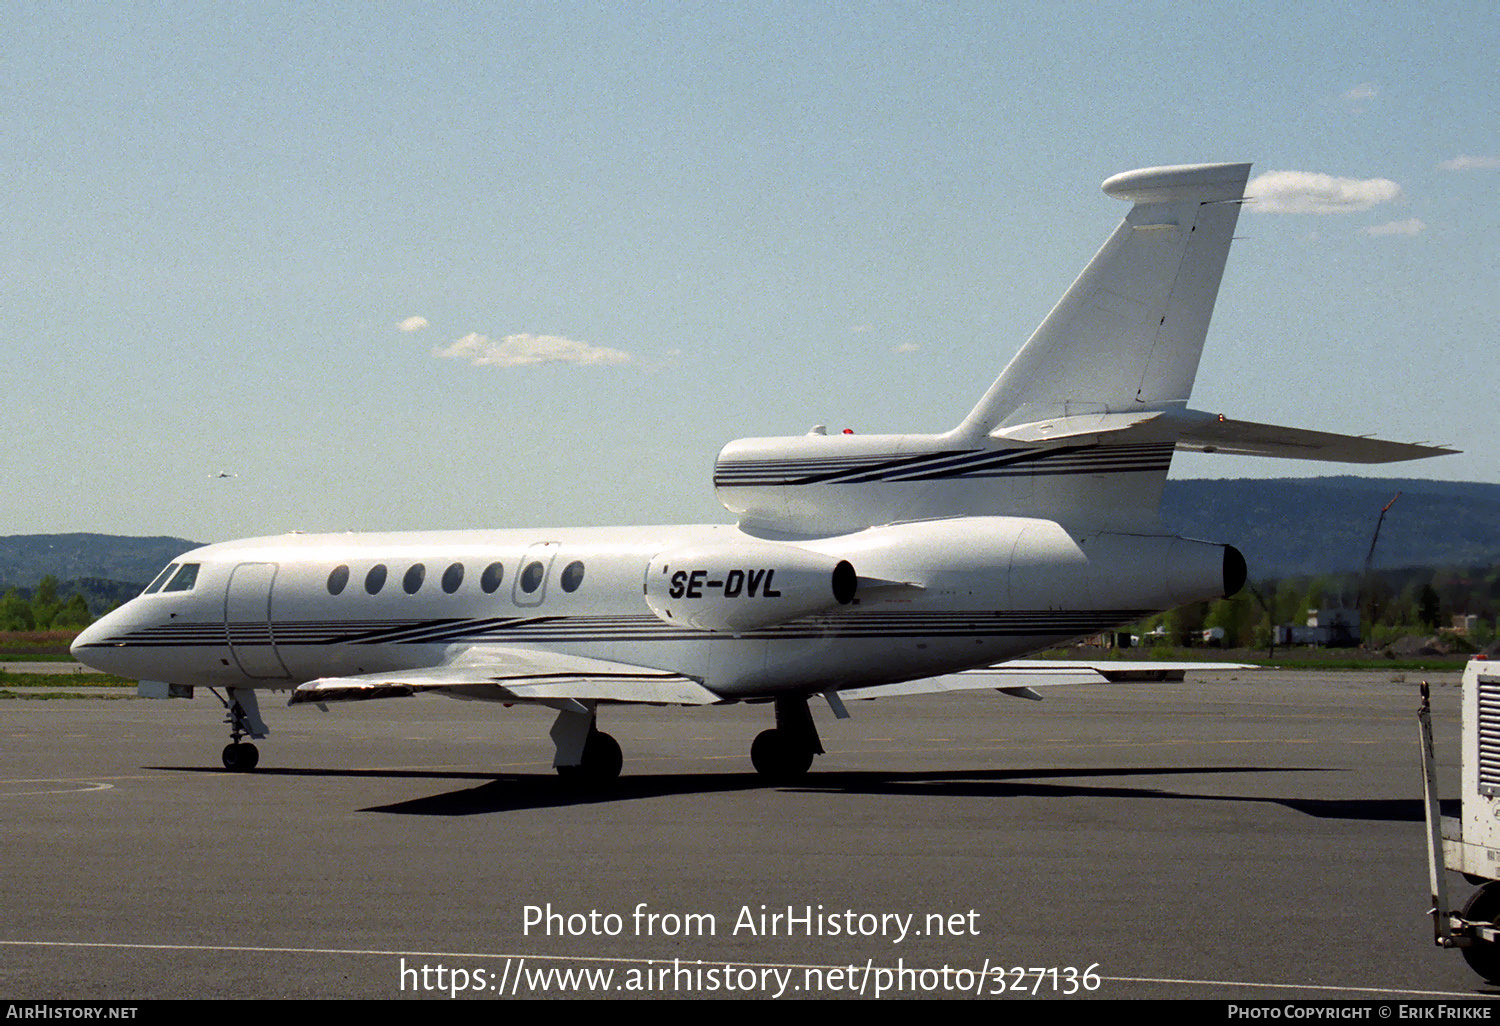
pixel 86 637
pixel 93 647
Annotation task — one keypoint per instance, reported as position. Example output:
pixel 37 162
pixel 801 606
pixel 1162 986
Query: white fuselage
pixel 934 597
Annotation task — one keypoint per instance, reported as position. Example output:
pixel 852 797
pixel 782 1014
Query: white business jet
pixel 860 566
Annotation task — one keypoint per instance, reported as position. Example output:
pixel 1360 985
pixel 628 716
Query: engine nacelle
pixel 738 587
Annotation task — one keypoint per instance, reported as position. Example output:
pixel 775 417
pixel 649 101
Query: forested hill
pixel 1284 526
pixel 1323 525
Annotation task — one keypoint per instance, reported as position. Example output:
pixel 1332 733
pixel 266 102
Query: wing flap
pixel 513 675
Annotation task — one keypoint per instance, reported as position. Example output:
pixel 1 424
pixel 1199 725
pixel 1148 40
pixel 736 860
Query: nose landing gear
pixel 242 713
pixel 241 756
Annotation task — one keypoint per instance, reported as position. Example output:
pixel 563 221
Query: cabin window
pixel 337 580
pixel 572 577
pixel 531 577
pixel 491 578
pixel 375 579
pixel 161 579
pixel 412 582
pixel 453 577
pixel 184 579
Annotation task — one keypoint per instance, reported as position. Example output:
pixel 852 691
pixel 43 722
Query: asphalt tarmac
pixel 1248 835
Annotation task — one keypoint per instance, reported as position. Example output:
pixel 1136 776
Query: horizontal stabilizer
pixel 1243 438
pixel 512 675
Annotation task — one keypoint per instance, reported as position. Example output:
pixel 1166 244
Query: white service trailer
pixel 1470 844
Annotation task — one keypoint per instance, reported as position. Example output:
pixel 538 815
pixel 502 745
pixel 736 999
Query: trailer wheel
pixel 1483 907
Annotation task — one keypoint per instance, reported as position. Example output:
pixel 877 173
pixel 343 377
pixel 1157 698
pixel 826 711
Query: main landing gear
pixel 602 760
pixel 243 716
pixel 784 754
pixel 586 756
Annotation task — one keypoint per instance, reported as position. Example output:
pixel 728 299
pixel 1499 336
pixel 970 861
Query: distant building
pixel 1333 627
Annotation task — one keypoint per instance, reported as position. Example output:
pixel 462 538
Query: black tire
pixel 1483 908
pixel 602 758
pixel 777 760
pixel 241 758
pixel 602 762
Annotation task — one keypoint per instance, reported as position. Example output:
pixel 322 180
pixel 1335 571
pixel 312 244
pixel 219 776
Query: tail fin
pixel 1128 335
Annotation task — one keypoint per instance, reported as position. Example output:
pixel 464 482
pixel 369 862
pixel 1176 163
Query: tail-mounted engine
pixel 739 587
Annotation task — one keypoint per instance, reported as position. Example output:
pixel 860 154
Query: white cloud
pixel 1411 226
pixel 1364 91
pixel 523 350
pixel 1462 163
pixel 1306 192
pixel 908 347
pixel 413 324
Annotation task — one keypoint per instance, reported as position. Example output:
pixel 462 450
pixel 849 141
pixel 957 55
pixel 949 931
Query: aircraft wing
pixel 1019 676
pixel 516 675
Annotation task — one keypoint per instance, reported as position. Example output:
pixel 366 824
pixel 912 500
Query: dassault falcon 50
pixel 859 566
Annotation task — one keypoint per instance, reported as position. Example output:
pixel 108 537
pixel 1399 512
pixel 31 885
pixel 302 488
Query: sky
pixel 505 265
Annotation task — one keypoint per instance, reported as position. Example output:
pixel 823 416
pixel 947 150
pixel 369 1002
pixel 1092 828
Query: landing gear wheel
pixel 241 757
pixel 602 761
pixel 1483 907
pixel 778 758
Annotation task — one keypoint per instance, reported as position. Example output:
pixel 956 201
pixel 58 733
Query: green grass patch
pixel 64 680
pixel 18 645
pixel 36 694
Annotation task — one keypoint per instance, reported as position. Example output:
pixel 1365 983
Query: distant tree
pixel 44 604
pixel 1237 616
pixel 1185 623
pixel 1428 605
pixel 1315 597
pixel 73 613
pixel 15 613
pixel 1376 601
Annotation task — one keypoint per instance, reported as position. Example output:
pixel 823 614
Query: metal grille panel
pixel 1489 734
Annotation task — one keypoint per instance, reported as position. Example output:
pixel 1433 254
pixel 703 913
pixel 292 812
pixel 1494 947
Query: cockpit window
pixel 184 579
pixel 161 579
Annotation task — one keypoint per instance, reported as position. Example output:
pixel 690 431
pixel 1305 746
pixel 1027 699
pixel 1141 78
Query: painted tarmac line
pixel 79 787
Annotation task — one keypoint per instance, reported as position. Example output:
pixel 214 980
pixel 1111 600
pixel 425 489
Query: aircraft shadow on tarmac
pixel 520 791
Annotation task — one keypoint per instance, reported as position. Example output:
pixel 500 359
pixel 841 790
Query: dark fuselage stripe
pixel 628 628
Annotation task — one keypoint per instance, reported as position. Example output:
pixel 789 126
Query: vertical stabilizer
pixel 1129 333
